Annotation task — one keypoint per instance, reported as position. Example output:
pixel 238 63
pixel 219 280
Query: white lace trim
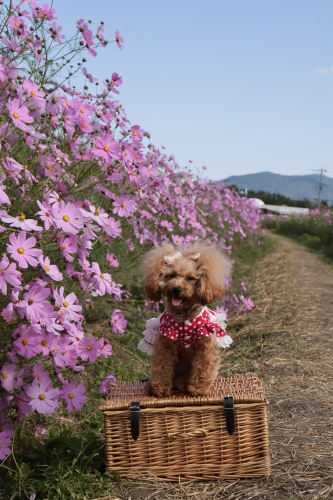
pixel 144 347
pixel 224 341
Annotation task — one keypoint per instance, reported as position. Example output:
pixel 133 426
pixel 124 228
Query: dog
pixel 185 340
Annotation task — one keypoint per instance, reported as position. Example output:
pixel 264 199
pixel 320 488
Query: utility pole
pixel 321 185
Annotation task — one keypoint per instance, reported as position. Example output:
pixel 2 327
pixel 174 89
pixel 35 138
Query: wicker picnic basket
pixel 181 437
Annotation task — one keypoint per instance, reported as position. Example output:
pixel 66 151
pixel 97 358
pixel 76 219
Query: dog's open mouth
pixel 176 302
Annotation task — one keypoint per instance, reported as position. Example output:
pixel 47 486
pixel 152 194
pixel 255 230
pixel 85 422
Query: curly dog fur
pixel 195 278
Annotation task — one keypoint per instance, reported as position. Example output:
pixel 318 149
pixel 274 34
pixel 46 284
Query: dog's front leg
pixel 164 358
pixel 205 366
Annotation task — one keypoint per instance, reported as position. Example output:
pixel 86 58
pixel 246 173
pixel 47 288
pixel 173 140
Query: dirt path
pixel 288 341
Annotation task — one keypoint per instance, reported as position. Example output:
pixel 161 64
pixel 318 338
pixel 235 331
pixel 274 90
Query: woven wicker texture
pixel 244 388
pixel 186 439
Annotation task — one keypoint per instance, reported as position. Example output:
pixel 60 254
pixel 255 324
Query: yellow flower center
pixel 135 132
pixel 101 276
pixel 32 92
pixel 22 217
pixel 47 214
pixel 44 343
pixel 55 351
pixel 26 167
pixel 122 205
pixel 63 247
pixel 82 111
pixel 16 24
pixel 25 342
pixel 41 397
pixel 15 115
pixel 89 348
pixel 2 271
pixel 71 395
pixel 111 260
pixel 48 167
pixel 4 376
pixel 47 268
pixel 96 212
pixel 66 218
pixel 0 445
pixel 20 250
pixel 30 302
pixel 84 125
pixel 65 304
pixel 106 148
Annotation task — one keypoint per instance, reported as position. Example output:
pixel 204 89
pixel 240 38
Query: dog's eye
pixel 172 275
pixel 190 278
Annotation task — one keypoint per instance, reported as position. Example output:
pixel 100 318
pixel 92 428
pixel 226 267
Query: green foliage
pixel 315 232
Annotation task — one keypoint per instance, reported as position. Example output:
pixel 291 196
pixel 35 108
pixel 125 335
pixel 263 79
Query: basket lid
pixel 244 389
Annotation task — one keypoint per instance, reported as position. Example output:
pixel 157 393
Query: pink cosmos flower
pixel 168 225
pixel 20 221
pixel 106 347
pixel 118 322
pixel 50 269
pixel 32 89
pixel 96 214
pixel 124 206
pixel 106 147
pixel 68 246
pixel 19 115
pixel 5 443
pixel 109 379
pixel 7 427
pixel 36 308
pixel 74 396
pixel 102 281
pixel 28 342
pixel 67 217
pixel 136 133
pixel 112 260
pixel 112 227
pixel 119 40
pixel 89 349
pixel 22 250
pixel 7 376
pixel 8 274
pixel 68 307
pixel 45 214
pixel 43 399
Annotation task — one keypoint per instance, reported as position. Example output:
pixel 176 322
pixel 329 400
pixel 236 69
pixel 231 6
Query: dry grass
pixel 288 341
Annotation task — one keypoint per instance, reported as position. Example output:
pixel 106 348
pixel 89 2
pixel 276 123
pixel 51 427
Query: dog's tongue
pixel 176 302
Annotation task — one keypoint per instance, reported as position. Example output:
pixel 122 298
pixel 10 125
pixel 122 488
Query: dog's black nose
pixel 177 291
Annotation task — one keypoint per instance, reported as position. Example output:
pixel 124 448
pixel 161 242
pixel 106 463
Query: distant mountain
pixel 292 186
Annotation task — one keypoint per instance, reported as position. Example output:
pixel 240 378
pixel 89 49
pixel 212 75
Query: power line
pixel 250 166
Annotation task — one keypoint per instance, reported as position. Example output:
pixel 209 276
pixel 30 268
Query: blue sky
pixel 239 86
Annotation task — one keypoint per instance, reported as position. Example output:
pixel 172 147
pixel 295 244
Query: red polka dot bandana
pixel 187 332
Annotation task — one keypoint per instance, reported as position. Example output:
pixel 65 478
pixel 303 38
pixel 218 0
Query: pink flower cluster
pixel 88 179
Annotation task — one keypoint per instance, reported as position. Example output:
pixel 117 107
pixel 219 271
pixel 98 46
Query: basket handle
pixel 196 433
pixel 134 409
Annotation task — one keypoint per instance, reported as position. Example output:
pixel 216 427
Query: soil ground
pixel 288 341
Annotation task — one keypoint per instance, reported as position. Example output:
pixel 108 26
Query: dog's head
pixel 187 276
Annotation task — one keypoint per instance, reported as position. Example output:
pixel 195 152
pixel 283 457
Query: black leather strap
pixel 134 408
pixel 229 413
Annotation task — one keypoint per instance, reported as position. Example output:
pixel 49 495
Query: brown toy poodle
pixel 185 340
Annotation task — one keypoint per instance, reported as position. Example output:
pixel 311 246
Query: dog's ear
pixel 207 291
pixel 213 269
pixel 151 268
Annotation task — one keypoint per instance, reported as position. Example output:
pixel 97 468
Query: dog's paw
pixel 198 391
pixel 157 390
